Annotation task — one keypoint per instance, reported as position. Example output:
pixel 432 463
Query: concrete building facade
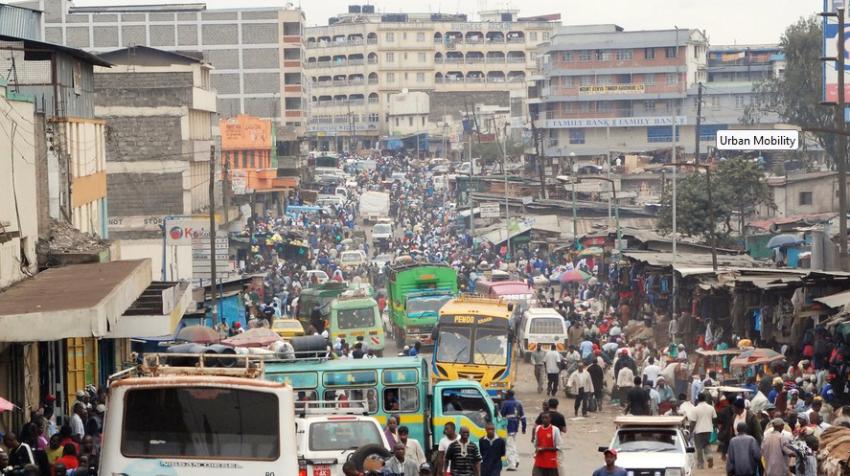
pixel 159 108
pixel 362 58
pixel 256 52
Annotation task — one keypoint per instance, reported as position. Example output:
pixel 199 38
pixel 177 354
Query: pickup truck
pixel 374 205
pixel 652 446
pixel 325 443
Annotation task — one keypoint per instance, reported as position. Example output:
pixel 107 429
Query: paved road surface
pixel 584 435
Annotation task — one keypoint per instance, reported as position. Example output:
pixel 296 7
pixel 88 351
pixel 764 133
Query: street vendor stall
pixel 716 360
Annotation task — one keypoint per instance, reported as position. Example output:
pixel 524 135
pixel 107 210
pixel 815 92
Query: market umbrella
pixel 756 357
pixel 6 405
pixel 198 335
pixel 573 276
pixel 257 337
pixel 783 240
pixel 592 251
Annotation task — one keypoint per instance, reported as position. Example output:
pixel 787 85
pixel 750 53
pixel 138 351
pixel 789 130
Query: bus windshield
pixel 355 318
pixel 201 422
pixel 418 306
pixel 491 347
pixel 454 344
pixel 327 162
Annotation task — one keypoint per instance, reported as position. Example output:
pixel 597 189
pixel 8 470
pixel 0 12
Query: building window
pixel 624 79
pixel 649 105
pixel 545 36
pixel 584 107
pixel 604 79
pixel 567 56
pixel 715 102
pixel 404 35
pixel 623 55
pixel 661 133
pixel 649 53
pixel 603 106
pixel 584 56
pixel 603 55
pixel 396 122
pixel 422 57
pixel 532 35
pixel 649 79
pixel 805 198
pixel 420 77
pixel 410 121
pixel 672 78
pixel 740 101
pixel 670 51
pixel 390 57
pixel 373 117
pixel 423 121
pixel 576 136
pixel 420 36
pixel 586 80
pixel 390 77
pixel 390 36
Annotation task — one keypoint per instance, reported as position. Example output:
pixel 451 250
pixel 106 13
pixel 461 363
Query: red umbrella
pixel 198 335
pixel 573 276
pixel 6 405
pixel 257 337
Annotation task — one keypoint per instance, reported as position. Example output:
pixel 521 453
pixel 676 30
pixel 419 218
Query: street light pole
pixel 573 170
pixel 841 150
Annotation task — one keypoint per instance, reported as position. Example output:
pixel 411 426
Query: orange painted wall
pixel 245 133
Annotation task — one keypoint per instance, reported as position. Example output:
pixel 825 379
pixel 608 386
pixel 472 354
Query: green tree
pixel 738 189
pixel 490 152
pixel 795 96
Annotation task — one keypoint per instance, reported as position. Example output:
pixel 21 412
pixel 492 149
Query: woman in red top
pixel 68 458
pixel 547 439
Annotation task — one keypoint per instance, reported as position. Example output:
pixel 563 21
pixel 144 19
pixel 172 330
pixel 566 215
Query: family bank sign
pixel 615 122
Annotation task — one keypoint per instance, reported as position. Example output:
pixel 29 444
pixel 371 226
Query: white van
pixel 204 421
pixel 542 326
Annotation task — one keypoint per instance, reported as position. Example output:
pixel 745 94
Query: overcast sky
pixel 726 21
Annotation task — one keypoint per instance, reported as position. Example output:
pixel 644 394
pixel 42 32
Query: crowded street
pixel 383 239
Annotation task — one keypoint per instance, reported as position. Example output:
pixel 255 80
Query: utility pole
pixel 675 170
pixel 503 147
pixel 841 150
pixel 699 123
pixel 213 280
pixel 608 162
pixel 574 177
pixel 225 191
pixel 536 134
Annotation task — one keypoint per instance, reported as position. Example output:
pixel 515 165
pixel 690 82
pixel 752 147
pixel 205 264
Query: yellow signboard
pixel 612 89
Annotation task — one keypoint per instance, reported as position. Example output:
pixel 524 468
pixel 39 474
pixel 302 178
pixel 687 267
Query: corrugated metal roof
pixel 835 300
pixel 20 22
pixel 690 260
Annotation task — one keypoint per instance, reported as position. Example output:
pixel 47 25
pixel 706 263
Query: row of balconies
pixel 479 60
pixel 343 82
pixel 448 39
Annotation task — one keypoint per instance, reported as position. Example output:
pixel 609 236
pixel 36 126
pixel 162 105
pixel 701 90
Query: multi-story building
pixel 158 107
pixel 602 89
pixel 361 58
pixel 256 52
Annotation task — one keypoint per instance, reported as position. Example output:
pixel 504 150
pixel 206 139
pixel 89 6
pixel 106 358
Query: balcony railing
pixel 516 40
pixel 454 60
pixel 474 60
pixel 373 61
pixel 339 82
pixel 355 61
pixel 496 60
pixel 373 81
pixel 477 80
pixel 355 82
pixel 372 41
pixel 474 40
pixel 516 59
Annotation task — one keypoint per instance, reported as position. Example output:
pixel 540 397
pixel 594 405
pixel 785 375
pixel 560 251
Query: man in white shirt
pixel 449 436
pixel 78 429
pixel 413 450
pixel 625 382
pixel 582 386
pixel 651 372
pixel 552 363
pixel 704 414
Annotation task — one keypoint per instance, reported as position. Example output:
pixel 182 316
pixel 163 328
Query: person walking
pixel 775 449
pixel 463 457
pixel 412 448
pixel 610 469
pixel 581 385
pixel 398 465
pixel 704 416
pixel 547 440
pixel 539 370
pixel 552 362
pixel 449 437
pixel 743 457
pixel 597 376
pixel 637 399
pixel 492 449
pixel 511 409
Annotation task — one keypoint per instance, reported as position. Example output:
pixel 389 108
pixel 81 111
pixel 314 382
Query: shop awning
pixel 835 301
pixel 84 300
pixel 690 261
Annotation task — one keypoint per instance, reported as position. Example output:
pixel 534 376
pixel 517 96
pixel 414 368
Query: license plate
pixel 321 470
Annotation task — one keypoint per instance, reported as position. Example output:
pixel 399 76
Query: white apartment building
pixel 361 58
pixel 256 52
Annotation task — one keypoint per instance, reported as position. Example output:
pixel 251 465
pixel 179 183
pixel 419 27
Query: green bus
pixel 354 316
pixel 321 295
pixel 393 386
pixel 415 294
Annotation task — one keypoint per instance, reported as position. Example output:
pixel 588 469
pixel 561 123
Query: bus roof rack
pixel 208 364
pixel 479 298
pixel 332 407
